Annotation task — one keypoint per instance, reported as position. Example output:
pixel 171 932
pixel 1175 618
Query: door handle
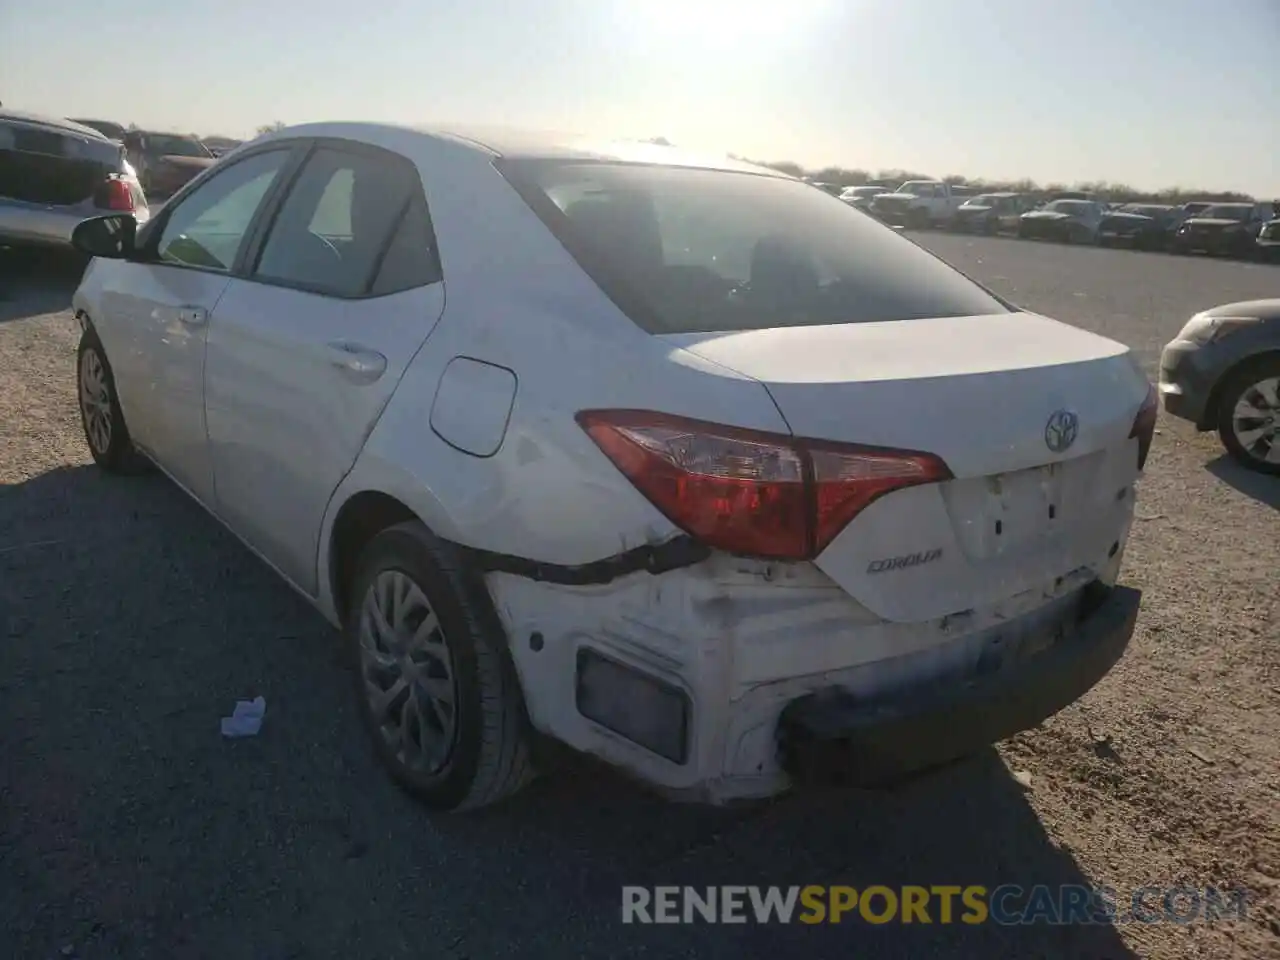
pixel 193 316
pixel 356 362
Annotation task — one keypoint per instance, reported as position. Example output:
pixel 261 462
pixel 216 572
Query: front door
pixel 163 304
pixel 306 350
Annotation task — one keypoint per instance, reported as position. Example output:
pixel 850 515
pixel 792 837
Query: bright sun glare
pixel 710 20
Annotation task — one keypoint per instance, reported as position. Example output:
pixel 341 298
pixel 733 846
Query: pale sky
pixel 1153 93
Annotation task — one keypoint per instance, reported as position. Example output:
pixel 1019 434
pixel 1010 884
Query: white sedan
pixel 676 461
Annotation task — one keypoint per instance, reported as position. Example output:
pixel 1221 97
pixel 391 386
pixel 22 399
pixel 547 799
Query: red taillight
pixel 114 194
pixel 761 494
pixel 1144 424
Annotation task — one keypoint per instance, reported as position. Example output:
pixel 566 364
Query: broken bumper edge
pixel 829 737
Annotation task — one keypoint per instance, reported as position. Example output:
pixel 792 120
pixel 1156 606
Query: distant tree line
pixel 1115 192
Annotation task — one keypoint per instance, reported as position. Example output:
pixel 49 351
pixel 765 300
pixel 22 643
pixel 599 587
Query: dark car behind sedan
pixel 1223 229
pixel 1268 249
pixel 860 197
pixel 166 161
pixel 108 128
pixel 1143 226
pixel 990 213
pixel 54 173
pixel 1064 220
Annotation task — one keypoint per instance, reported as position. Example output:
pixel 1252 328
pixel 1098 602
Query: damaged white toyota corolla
pixel 683 463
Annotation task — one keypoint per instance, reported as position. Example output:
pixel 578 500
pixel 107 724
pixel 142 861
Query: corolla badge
pixel 1061 430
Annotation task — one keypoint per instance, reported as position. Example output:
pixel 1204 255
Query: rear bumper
pixel 35 224
pixel 831 735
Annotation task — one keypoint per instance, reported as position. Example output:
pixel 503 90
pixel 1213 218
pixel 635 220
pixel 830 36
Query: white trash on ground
pixel 246 719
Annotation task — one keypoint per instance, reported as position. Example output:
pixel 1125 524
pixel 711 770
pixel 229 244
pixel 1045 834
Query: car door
pixel 160 303
pixel 306 348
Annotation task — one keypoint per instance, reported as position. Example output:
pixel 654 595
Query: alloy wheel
pixel 95 402
pixel 407 672
pixel 1256 420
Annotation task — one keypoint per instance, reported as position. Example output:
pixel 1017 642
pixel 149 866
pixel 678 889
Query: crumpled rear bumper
pixel 831 736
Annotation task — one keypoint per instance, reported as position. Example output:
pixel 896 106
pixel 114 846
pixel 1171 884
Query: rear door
pixel 306 349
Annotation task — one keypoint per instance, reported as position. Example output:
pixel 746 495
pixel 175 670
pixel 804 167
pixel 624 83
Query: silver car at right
pixel 1222 372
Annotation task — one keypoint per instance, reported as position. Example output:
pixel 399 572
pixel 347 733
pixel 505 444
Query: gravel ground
pixel 132 622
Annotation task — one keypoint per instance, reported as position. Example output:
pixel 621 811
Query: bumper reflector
pixel 641 708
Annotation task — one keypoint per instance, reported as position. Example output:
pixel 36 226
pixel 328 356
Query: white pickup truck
pixel 918 203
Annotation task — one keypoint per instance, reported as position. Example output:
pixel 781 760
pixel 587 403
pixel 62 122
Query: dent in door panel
pixel 473 405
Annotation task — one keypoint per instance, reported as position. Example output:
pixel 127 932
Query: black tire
pixel 1236 386
pixel 113 452
pixel 488 757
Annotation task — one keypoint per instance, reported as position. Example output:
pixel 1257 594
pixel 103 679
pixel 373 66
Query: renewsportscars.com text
pixel 1007 904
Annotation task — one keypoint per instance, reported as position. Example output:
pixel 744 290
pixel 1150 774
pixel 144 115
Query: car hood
pixel 1046 215
pixel 896 196
pixel 189 163
pixel 975 208
pixel 1215 222
pixel 1262 309
pixel 1135 219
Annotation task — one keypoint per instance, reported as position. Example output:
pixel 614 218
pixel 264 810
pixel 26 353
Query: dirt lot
pixel 131 623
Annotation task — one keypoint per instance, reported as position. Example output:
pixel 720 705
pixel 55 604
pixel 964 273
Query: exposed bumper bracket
pixel 653 558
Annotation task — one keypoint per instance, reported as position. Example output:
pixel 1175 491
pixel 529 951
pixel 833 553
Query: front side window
pixel 208 227
pixel 692 250
pixel 336 227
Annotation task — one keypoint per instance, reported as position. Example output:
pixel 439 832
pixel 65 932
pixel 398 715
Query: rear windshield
pixel 169 146
pixel 40 164
pixel 1069 206
pixel 1227 211
pixel 690 250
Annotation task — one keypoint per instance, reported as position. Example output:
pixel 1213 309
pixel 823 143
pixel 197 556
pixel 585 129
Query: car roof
pixel 514 143
pixel 55 123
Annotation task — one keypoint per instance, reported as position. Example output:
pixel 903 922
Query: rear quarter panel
pixel 515 298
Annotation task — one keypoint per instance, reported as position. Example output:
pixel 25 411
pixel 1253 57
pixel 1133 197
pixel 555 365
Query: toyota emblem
pixel 1061 430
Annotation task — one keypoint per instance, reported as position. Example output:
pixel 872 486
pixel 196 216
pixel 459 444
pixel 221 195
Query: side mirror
pixel 111 237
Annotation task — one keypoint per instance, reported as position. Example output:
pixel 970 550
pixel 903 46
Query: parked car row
pixel 1243 230
pixel 55 172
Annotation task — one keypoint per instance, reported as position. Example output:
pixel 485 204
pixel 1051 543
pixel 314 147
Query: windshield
pixel 984 200
pixel 1074 207
pixel 1226 211
pixel 917 187
pixel 691 250
pixel 1271 231
pixel 167 146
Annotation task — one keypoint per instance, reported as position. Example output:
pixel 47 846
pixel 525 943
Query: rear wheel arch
pixel 361 518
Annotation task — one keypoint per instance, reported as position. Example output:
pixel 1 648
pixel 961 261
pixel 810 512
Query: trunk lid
pixel 52 166
pixel 980 393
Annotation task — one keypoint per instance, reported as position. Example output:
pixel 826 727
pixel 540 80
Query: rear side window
pixel 411 259
pixel 685 250
pixel 353 224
